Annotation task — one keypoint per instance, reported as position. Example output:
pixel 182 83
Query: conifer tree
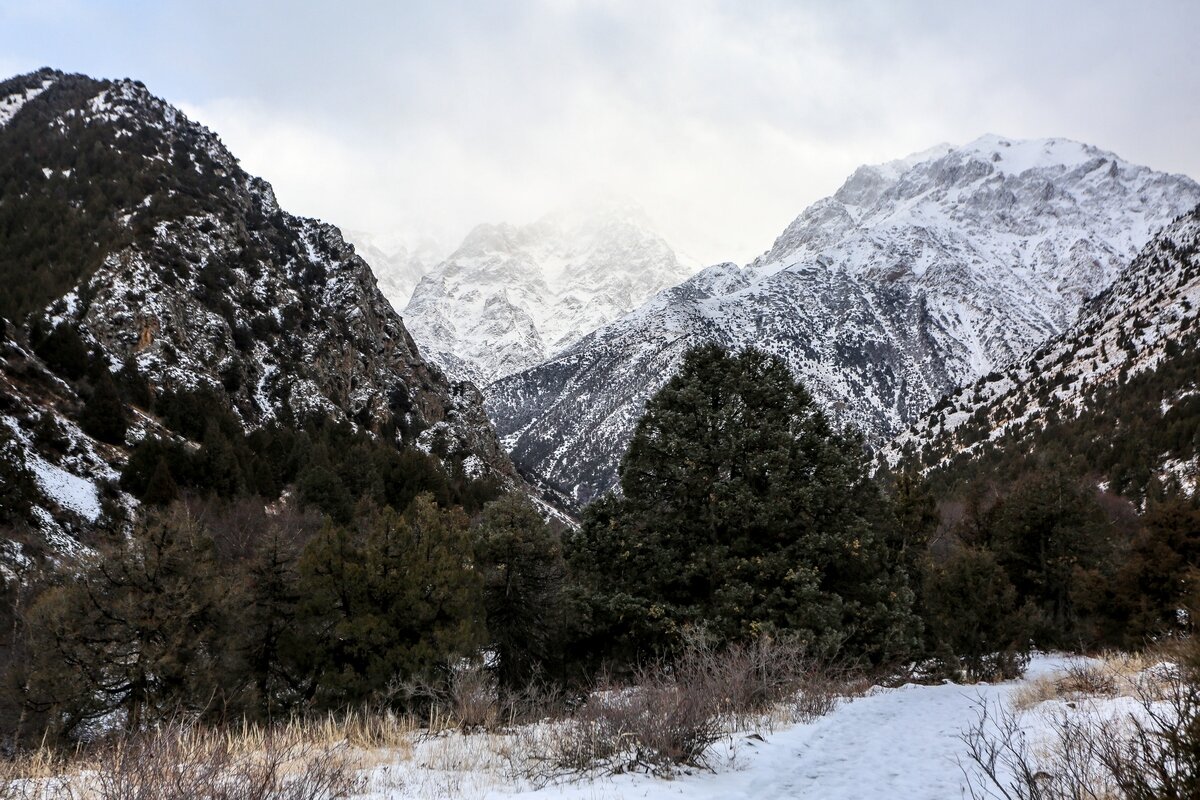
pixel 18 489
pixel 103 414
pixel 162 489
pixel 139 630
pixel 744 511
pixel 521 560
pixel 395 596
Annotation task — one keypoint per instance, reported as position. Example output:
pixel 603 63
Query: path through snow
pixel 898 744
pixel 894 744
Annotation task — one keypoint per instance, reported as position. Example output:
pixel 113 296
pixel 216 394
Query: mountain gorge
pixel 512 296
pixel 398 261
pixel 916 277
pixel 131 237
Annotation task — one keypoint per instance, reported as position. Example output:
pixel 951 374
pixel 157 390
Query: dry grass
pixel 468 738
pixel 1109 674
pixel 188 762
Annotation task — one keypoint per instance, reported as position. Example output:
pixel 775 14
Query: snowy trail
pixel 900 744
pixel 897 744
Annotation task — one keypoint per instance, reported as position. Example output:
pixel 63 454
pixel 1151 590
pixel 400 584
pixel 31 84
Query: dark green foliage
pixel 320 487
pixel 1118 431
pixel 743 512
pixel 1143 592
pixel 18 487
pixel 56 231
pixel 393 597
pixel 331 465
pixel 1044 531
pixel 161 489
pixel 521 561
pixel 104 416
pixel 974 621
pixel 137 629
pixel 63 350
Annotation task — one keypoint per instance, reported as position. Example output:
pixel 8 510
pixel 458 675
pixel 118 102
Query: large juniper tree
pixel 744 511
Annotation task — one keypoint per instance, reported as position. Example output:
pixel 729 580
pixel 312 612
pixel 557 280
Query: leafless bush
pixel 473 699
pixel 673 712
pixel 1151 751
pixel 1088 680
pixel 658 724
pixel 1002 761
pixel 1159 757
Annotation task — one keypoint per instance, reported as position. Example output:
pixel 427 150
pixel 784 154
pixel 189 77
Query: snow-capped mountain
pixel 511 296
pixel 136 229
pixel 1144 323
pixel 398 261
pixel 915 277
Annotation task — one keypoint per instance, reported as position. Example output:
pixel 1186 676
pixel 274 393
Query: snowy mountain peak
pixel 510 296
pixel 915 277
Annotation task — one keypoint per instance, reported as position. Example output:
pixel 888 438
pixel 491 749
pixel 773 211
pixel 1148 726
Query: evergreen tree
pixel 522 564
pixel 162 489
pixel 1045 531
pixel 140 630
pixel 18 488
pixel 394 597
pixel 743 511
pixel 974 621
pixel 103 414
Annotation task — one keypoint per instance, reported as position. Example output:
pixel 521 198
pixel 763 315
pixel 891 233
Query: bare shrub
pixel 1088 680
pixel 653 726
pixel 1159 757
pixel 672 712
pixel 1152 751
pixel 1001 760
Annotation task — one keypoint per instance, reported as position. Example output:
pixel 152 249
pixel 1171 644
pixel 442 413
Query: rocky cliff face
pixel 509 296
pixel 1138 337
pixel 916 277
pixel 398 261
pixel 136 227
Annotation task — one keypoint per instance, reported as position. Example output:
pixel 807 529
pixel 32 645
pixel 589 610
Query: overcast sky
pixel 723 120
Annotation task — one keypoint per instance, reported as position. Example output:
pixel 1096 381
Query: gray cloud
pixel 724 119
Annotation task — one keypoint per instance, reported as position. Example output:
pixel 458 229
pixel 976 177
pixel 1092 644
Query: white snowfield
pixel 894 744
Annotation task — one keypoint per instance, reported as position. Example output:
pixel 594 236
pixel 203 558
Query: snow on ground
pixel 897 744
pixel 69 491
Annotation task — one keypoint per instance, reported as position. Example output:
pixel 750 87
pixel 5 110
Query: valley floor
pixel 898 744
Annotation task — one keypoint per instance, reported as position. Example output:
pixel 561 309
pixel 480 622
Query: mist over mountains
pixel 915 277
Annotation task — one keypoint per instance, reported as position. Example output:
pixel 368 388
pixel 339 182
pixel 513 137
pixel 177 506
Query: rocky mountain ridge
pixel 398 261
pixel 916 277
pixel 135 230
pixel 1138 337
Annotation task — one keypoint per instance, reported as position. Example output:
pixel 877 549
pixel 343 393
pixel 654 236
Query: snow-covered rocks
pixel 916 277
pixel 509 296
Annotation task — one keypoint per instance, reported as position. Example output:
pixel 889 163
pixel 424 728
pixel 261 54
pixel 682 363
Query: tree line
pixel 295 570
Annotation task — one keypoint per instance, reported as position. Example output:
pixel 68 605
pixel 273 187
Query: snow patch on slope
pixel 10 105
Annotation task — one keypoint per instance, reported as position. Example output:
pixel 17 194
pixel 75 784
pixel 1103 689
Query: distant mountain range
pixel 914 278
pixel 512 296
pixel 1007 267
